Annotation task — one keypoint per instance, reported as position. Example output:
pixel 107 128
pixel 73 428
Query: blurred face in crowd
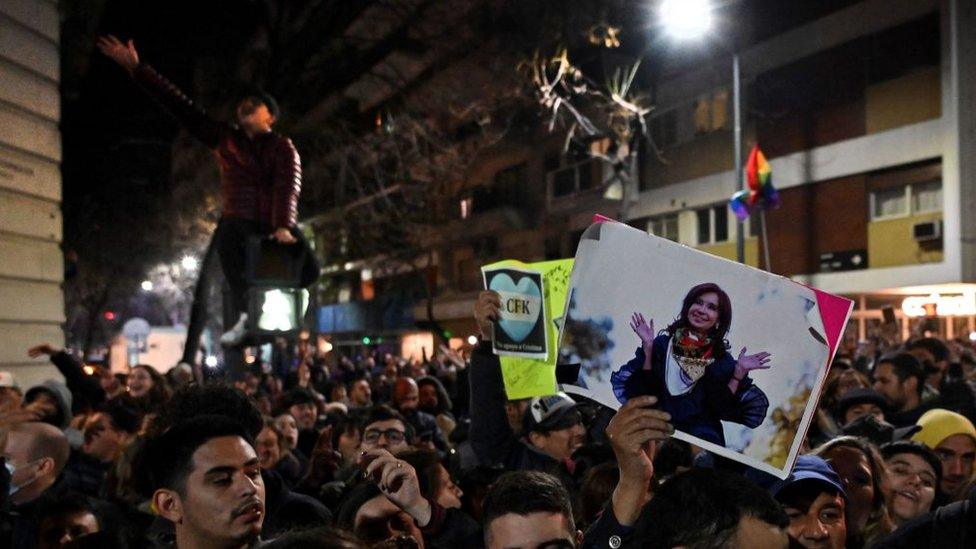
pixel 860 410
pixel 854 470
pixel 304 414
pixel 847 381
pixel 338 393
pixel 909 487
pixel 703 313
pixel 10 399
pixel 140 382
pixel 560 444
pixel 360 394
pixel 934 369
pixel 60 530
pixel 405 394
pixel 349 442
pixel 289 430
pixel 32 473
pixel 428 397
pixel 110 384
pixel 222 502
pixel 103 441
pixel 897 393
pixel 449 496
pixel 816 519
pixel 957 454
pixel 266 444
pixel 515 410
pixel 390 434
pixel 253 116
pixel 44 402
pixel 532 531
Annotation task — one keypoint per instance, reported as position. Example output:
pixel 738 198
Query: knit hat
pixel 938 425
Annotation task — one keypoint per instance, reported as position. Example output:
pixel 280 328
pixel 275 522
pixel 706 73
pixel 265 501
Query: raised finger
pixel 639 402
pixel 392 474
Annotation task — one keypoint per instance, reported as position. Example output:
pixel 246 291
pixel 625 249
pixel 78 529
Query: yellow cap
pixel 938 425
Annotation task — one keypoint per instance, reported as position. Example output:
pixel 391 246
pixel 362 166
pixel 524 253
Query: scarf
pixel 692 352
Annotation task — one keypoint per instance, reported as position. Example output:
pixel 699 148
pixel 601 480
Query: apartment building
pixel 862 114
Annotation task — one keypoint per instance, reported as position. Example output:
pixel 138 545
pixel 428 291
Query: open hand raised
pixel 123 54
pixel 643 329
pixel 747 363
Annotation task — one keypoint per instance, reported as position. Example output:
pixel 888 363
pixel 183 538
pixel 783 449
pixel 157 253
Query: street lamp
pixel 685 19
pixel 147 285
pixel 189 263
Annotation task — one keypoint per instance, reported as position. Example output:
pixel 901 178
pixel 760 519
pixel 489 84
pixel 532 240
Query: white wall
pixel 31 265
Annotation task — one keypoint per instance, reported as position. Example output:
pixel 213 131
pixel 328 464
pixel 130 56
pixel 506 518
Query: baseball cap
pixel 938 425
pixel 551 413
pixel 811 469
pixel 7 380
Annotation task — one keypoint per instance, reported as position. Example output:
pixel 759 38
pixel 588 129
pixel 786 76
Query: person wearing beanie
pixel 953 439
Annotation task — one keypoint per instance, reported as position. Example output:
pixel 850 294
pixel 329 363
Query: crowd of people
pixel 327 450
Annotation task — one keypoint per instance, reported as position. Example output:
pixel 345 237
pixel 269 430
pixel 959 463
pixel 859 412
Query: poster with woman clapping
pixel 736 355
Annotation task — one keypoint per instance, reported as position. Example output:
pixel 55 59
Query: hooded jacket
pixel 61 394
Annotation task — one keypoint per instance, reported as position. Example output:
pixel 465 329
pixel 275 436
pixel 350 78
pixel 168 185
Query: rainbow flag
pixel 761 193
pixel 759 176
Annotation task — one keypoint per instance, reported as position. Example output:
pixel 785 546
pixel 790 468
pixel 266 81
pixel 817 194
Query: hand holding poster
pixel 736 355
pixel 530 377
pixel 521 329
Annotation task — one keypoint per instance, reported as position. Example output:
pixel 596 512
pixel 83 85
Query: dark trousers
pixel 231 239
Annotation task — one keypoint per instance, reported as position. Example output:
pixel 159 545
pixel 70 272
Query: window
pixel 572 179
pixel 704 226
pixel 713 224
pixel 711 112
pixel 664 129
pixel 927 197
pixel 907 200
pixel 665 226
pixel 889 202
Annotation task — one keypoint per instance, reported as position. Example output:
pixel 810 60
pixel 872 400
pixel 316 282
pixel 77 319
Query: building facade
pixel 31 262
pixel 863 116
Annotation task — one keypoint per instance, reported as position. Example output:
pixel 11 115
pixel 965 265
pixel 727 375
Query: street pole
pixel 740 244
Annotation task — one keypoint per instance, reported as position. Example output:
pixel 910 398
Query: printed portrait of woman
pixel 688 367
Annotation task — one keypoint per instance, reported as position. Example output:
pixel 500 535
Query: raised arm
pixel 491 436
pixel 196 121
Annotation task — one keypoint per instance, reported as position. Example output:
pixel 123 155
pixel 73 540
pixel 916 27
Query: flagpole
pixel 740 244
pixel 765 238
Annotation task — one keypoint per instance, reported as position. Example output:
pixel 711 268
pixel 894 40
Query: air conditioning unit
pixel 927 231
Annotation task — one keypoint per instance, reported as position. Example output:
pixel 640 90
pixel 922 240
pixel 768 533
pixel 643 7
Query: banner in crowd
pixel 531 376
pixel 736 355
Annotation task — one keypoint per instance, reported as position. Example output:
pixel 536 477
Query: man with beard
pixel 207 481
pixel 953 439
pixel 900 378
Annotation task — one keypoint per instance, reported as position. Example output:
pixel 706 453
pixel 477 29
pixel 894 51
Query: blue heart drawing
pixel 520 327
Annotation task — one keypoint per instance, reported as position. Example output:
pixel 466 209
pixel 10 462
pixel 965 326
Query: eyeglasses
pixel 393 436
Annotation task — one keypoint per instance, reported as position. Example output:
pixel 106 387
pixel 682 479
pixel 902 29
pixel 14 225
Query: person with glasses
pixel 386 429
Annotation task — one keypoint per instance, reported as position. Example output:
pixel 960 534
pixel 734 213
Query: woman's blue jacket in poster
pixel 698 412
